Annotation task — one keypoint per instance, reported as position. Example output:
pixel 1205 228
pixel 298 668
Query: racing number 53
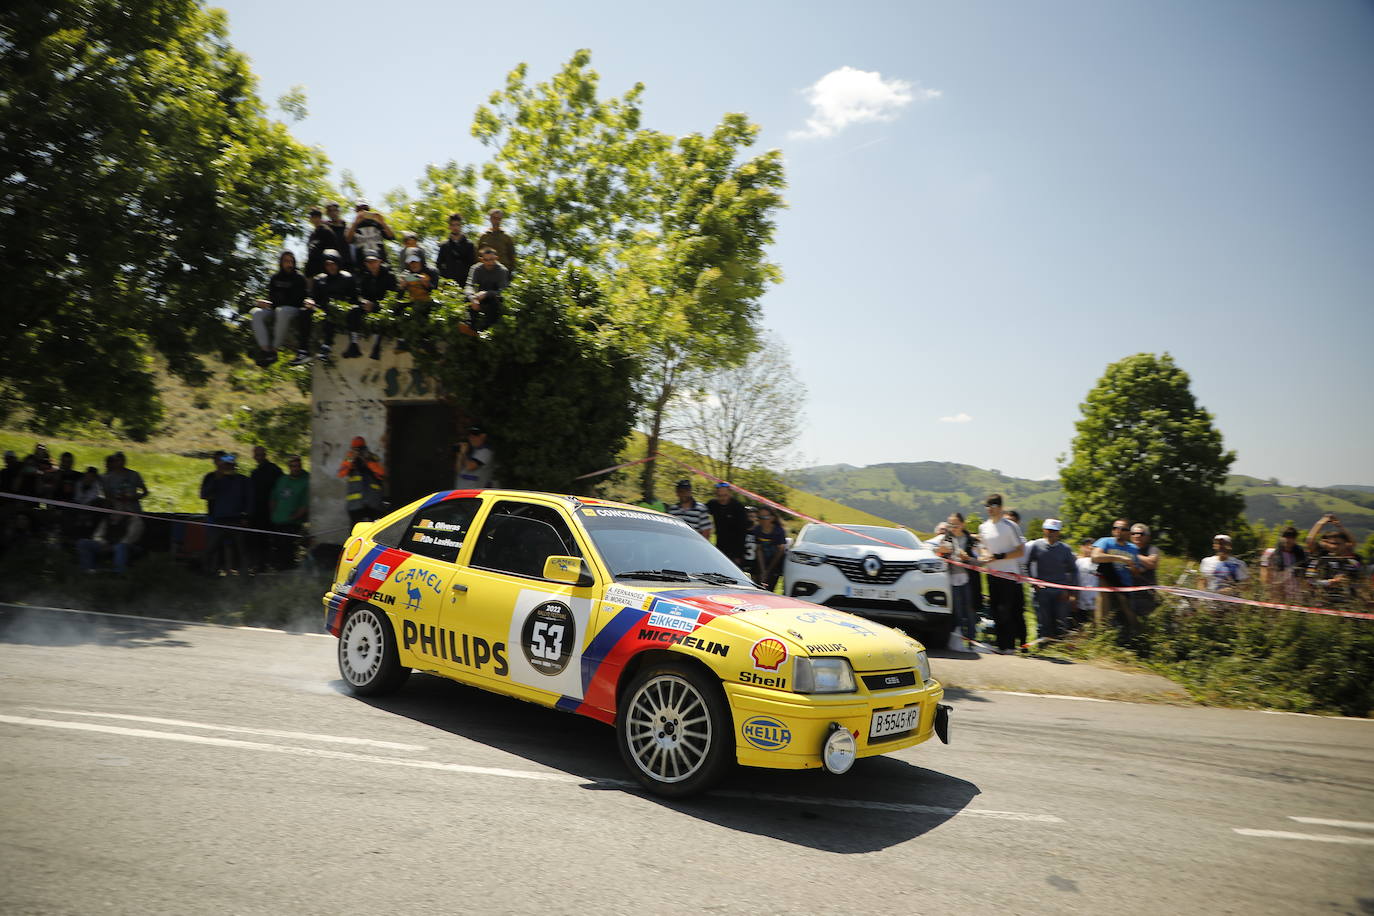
pixel 551 650
pixel 548 637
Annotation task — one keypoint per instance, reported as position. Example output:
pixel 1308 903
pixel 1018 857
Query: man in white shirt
pixel 1001 549
pixel 1222 572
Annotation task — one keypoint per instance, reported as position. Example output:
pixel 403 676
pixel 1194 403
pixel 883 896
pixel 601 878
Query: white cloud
pixel 957 418
pixel 848 96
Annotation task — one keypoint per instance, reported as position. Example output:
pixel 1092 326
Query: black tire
pixel 367 653
pixel 675 733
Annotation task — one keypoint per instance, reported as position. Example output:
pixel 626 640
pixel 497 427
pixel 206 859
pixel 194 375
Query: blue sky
pixel 1038 189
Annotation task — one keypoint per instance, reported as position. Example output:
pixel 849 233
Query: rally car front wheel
pixel 674 730
pixel 367 653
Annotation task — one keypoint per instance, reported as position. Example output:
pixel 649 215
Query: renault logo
pixel 872 565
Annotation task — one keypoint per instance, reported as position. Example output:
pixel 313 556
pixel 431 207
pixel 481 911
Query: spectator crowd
pixel 349 274
pixel 256 520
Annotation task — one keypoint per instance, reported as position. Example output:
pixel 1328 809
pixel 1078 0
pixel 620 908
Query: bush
pixel 1243 655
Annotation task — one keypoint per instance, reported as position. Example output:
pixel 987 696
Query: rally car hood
pixel 807 628
pixel 816 630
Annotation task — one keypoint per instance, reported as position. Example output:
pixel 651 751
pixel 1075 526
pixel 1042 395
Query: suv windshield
pixel 656 547
pixel 824 536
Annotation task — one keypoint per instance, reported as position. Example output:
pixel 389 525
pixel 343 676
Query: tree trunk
pixel 646 478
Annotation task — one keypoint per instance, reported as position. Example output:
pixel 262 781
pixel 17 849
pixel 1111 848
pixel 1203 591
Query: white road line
pixel 261 629
pixel 1047 696
pixel 511 774
pixel 1326 822
pixel 293 751
pixel 238 729
pixel 891 806
pixel 1308 715
pixel 1310 837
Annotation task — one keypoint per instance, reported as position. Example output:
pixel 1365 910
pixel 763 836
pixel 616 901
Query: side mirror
pixel 569 570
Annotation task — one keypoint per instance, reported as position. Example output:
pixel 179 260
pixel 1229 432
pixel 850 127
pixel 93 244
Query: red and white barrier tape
pixel 156 518
pixel 618 467
pixel 1169 589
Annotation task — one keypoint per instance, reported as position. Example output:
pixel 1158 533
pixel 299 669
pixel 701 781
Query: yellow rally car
pixel 629 616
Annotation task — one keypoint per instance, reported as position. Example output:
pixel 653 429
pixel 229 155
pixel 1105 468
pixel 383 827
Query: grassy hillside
pixel 920 494
pixel 624 485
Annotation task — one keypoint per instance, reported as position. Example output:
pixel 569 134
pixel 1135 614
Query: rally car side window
pixel 518 537
pixel 439 530
pixel 391 535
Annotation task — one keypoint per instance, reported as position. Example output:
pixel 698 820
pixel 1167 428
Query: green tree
pixel 692 279
pixel 554 389
pixel 1146 451
pixel 573 169
pixel 672 230
pixel 142 184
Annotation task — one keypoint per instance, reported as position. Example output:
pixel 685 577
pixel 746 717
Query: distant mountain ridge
pixel 919 494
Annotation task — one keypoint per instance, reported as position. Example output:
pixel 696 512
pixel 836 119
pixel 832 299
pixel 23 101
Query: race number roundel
pixel 548 637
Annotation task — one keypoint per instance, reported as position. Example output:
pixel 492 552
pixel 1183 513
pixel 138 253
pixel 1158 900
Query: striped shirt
pixel 695 515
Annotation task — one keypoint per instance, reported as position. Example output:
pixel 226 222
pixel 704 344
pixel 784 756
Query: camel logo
pixel 768 654
pixel 412 597
pixel 872 565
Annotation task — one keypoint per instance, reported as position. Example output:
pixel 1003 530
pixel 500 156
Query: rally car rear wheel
pixel 367 653
pixel 674 730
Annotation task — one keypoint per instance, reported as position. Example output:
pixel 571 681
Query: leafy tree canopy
pixel 1146 451
pixel 141 182
pixel 671 230
pixel 554 389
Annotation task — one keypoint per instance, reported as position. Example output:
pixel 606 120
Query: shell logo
pixel 769 654
pixel 353 547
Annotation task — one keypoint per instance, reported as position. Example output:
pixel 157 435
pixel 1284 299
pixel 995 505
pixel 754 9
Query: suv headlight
pixel 806 559
pixel 822 675
pixel 923 665
pixel 930 566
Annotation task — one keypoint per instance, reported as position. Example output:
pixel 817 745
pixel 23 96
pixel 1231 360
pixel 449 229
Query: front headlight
pixel 806 559
pixel 930 566
pixel 923 665
pixel 823 675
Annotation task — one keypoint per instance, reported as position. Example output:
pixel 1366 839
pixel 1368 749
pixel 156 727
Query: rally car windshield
pixel 824 535
pixel 655 547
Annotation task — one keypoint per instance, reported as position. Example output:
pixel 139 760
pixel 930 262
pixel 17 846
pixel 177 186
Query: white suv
pixel 905 585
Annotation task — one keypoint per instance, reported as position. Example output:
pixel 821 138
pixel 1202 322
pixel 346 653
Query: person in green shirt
pixel 290 507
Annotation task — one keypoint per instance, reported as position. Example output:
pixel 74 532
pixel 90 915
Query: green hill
pixel 920 494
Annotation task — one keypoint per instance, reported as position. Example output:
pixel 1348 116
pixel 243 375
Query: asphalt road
pixel 151 767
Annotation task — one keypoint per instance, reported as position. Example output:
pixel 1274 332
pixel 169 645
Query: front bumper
pixel 792 727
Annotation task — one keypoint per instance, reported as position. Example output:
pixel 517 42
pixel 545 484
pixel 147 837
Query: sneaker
pixel 325 350
pixel 376 352
pixel 352 352
pixel 265 359
pixel 301 359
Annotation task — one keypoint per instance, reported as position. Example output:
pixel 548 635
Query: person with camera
pixel 364 475
pixel 1334 569
pixel 475 461
pixel 368 233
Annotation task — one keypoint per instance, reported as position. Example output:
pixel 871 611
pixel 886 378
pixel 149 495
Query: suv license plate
pixel 868 591
pixel 891 721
